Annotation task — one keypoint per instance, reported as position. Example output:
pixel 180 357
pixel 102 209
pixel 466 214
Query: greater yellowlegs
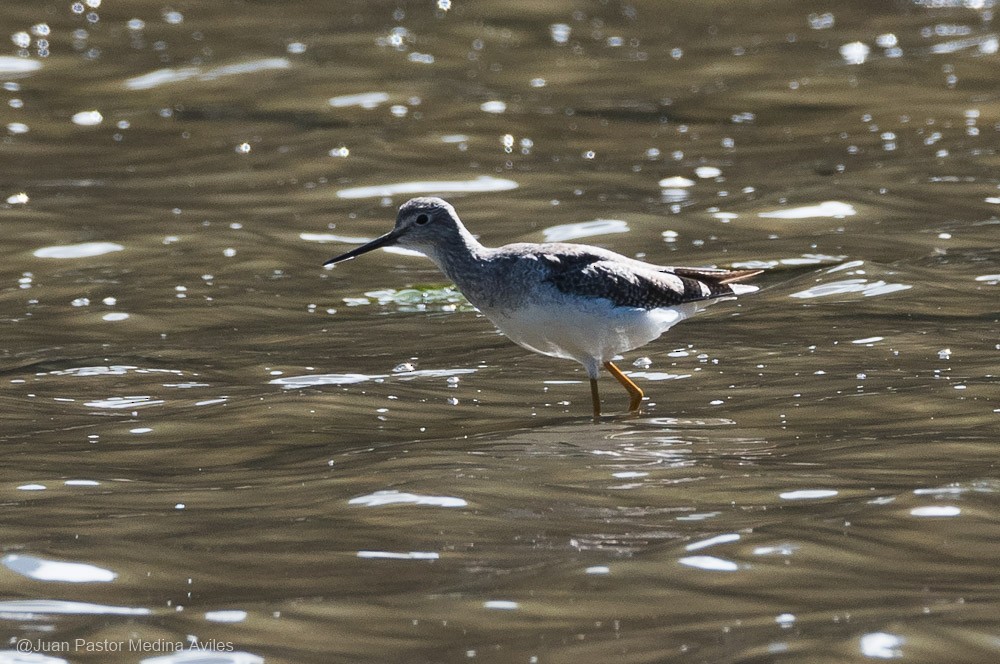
pixel 562 300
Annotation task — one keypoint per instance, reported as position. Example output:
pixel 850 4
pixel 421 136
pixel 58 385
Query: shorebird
pixel 571 301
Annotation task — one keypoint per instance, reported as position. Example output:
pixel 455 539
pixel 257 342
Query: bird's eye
pixel 421 219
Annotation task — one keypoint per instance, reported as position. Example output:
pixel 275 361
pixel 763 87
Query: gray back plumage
pixel 592 272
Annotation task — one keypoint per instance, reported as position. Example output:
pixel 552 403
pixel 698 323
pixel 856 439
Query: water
pixel 210 440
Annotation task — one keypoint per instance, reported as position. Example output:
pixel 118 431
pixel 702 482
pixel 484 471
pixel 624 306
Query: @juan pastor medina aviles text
pixel 125 645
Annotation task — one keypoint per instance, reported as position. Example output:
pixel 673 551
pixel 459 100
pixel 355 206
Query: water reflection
pixel 391 555
pixel 36 609
pixel 366 100
pixel 709 563
pixel 226 616
pixel 314 380
pixel 205 656
pixel 712 541
pixel 168 76
pixel 84 250
pixel 479 184
pixel 16 66
pixel 41 569
pixel 569 232
pixel 834 209
pixel 881 645
pixel 845 286
pixel 392 497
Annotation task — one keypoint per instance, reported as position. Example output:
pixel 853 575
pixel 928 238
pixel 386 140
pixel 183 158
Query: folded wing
pixel 635 284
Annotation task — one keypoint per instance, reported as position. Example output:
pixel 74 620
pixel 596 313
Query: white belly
pixel 590 331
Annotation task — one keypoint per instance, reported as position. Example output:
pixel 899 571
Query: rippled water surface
pixel 212 443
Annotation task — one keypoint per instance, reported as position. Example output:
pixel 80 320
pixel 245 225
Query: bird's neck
pixel 461 258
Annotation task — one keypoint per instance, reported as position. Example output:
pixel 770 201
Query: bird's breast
pixel 583 329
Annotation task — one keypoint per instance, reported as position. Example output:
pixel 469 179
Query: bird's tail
pixel 733 276
pixel 743 289
pixel 721 282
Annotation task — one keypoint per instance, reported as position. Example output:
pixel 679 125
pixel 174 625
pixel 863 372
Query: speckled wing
pixel 628 285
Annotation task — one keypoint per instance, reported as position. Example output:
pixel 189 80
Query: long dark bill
pixel 383 241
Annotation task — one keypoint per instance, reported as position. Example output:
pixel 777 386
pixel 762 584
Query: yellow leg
pixel 634 392
pixel 597 399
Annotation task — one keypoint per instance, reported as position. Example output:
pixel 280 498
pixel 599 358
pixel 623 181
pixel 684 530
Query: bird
pixel 563 300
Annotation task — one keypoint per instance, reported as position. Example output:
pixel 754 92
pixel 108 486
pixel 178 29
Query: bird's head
pixel 426 224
